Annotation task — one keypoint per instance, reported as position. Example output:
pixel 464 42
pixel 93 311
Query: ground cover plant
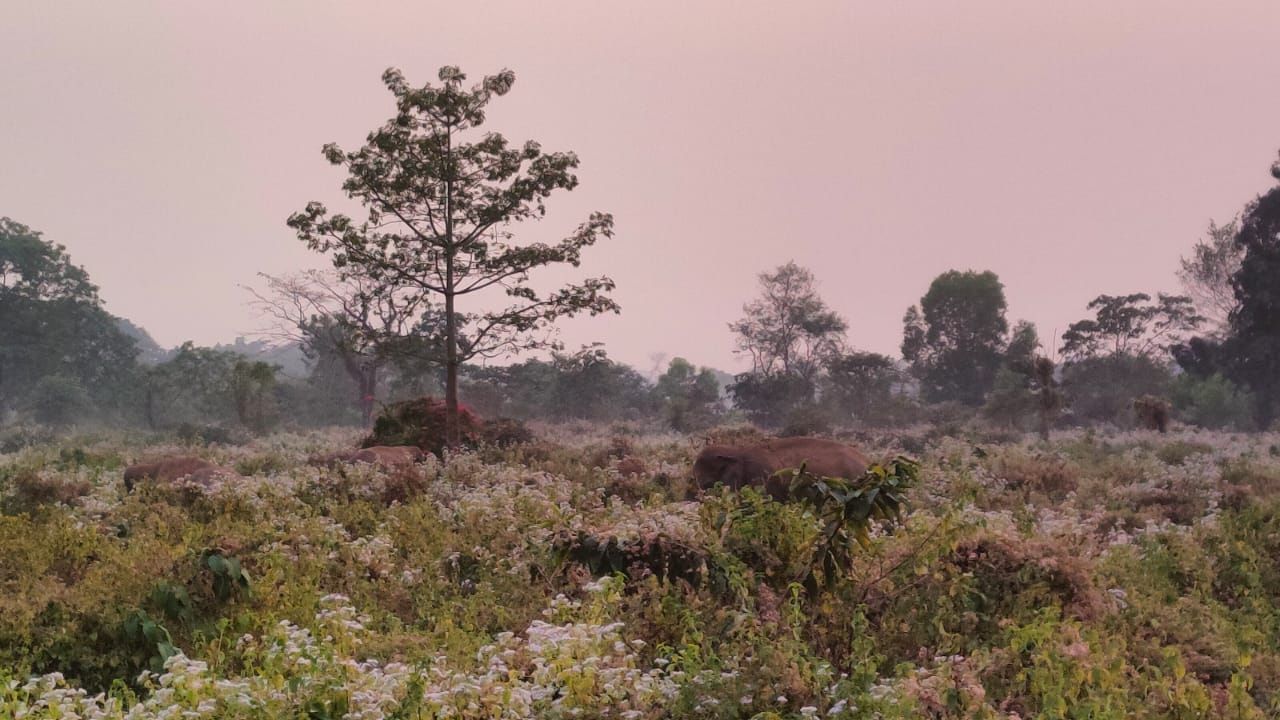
pixel 1114 575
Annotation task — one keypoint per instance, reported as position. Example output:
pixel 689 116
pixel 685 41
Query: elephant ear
pixel 754 471
pixel 728 470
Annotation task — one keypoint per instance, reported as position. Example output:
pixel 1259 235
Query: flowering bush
pixel 1122 575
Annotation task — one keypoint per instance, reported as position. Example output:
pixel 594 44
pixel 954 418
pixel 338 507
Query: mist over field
pixel 576 361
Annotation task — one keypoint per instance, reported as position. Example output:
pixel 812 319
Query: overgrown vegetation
pixel 1126 575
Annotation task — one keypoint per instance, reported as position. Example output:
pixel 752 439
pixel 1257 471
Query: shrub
pixel 421 422
pixel 505 432
pixel 1179 451
pixel 30 490
pixel 59 401
pixel 1214 402
pixel 192 433
pixel 810 419
pixel 1034 472
pixel 1102 389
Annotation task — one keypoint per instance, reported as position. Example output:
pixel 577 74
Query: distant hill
pixel 288 356
pixel 149 351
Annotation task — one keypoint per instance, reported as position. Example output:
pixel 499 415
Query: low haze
pixel 1073 148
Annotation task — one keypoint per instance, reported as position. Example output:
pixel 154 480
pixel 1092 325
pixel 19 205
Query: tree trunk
pixel 451 434
pixel 368 387
pixel 150 406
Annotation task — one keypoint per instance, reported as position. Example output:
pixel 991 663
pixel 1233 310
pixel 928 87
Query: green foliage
pixel 866 388
pixel 252 387
pixel 590 386
pixel 59 401
pixel 846 508
pixel 203 386
pixel 1130 325
pixel 154 643
pixel 955 339
pixel 229 578
pixel 771 400
pixel 1213 402
pixel 52 324
pixel 690 397
pixel 439 211
pixel 1013 585
pixel 1102 389
pixel 1253 347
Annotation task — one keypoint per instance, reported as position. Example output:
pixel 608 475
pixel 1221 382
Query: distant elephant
pixel 738 466
pixel 172 468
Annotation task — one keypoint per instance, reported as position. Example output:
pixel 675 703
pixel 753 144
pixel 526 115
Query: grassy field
pixel 1100 576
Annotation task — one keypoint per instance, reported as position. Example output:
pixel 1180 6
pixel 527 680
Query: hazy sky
pixel 1074 148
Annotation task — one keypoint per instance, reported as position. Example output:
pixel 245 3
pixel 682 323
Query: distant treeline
pixel 1213 356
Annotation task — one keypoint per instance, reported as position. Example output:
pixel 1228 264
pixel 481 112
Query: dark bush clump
pixel 421 422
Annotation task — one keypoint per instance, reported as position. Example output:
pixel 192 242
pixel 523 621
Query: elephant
pixel 174 467
pixel 738 466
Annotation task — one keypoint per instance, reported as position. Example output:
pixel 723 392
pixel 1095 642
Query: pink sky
pixel 1074 148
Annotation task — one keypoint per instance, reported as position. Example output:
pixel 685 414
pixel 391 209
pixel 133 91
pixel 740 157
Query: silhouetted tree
pixel 690 397
pixel 789 333
pixel 788 329
pixel 1131 325
pixel 52 323
pixel 955 339
pixel 1123 353
pixel 439 208
pixel 590 386
pixel 1025 385
pixel 363 324
pixel 1206 274
pixel 204 385
pixel 1049 398
pixel 865 387
pixel 1253 349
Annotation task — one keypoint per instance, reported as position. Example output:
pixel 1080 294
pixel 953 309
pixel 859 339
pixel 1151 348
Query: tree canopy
pixel 1254 345
pixel 788 329
pixel 53 324
pixel 440 197
pixel 1131 325
pixel 955 339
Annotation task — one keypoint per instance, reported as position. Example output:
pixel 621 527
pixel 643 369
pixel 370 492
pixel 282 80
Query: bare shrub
pixel 1044 473
pixel 30 490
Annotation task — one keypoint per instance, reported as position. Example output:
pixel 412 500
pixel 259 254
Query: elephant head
pixel 733 467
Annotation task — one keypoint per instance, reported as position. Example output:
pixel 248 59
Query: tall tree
pixel 690 396
pixel 440 197
pixel 1013 393
pixel 1133 325
pixel 955 339
pixel 865 387
pixel 1207 273
pixel 788 329
pixel 1122 353
pixel 52 322
pixel 365 325
pixel 1253 350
